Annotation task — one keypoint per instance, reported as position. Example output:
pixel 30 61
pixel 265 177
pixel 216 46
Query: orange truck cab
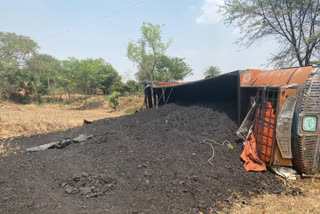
pixel 286 122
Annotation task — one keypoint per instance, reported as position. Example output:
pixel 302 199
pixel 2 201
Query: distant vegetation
pixel 27 75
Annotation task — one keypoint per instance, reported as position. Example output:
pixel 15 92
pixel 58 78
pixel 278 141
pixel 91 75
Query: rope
pixel 211 142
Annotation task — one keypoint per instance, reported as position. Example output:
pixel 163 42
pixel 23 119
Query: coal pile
pixel 153 161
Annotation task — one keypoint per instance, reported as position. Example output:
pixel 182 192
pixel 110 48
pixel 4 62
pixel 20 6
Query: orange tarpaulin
pixel 250 156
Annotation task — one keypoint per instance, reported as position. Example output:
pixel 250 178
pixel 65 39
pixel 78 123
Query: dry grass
pixel 24 120
pixel 284 203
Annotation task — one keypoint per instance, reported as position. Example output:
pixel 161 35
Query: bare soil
pixel 153 161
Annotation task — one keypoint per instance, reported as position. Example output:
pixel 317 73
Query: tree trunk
pixel 0 95
pixel 48 85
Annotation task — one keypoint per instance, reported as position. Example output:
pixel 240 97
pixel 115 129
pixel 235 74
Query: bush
pixel 114 100
pixel 19 98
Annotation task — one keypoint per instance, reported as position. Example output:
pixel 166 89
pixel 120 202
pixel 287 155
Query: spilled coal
pixel 153 161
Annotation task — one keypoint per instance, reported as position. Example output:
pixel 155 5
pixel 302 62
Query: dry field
pixel 24 120
pixel 308 202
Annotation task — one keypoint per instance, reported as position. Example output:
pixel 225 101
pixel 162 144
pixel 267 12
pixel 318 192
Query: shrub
pixel 114 100
pixel 19 98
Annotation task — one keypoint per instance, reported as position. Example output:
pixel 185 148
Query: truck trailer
pixel 282 107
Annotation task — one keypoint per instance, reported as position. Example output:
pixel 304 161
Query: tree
pixel 294 24
pixel 147 51
pixel 67 76
pixel 15 50
pixel 212 71
pixel 117 86
pixel 132 86
pixel 44 68
pixel 171 69
pixel 80 75
pixel 86 74
pixel 106 76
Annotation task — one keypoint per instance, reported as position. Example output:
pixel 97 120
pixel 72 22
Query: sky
pixel 103 28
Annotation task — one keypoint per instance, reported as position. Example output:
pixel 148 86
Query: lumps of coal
pixel 89 185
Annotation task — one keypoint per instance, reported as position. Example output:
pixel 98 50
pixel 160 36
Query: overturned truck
pixel 282 106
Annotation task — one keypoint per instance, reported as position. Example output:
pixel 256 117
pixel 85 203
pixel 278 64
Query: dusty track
pixel 148 162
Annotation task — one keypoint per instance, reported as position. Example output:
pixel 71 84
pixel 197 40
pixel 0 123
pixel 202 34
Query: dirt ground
pixel 25 120
pixel 148 162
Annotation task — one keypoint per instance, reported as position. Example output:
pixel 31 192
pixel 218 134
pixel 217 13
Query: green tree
pixel 15 50
pixel 80 75
pixel 67 76
pixel 171 69
pixel 45 69
pixel 212 71
pixel 294 24
pixel 132 86
pixel 106 76
pixel 146 51
pixel 86 74
pixel 117 86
